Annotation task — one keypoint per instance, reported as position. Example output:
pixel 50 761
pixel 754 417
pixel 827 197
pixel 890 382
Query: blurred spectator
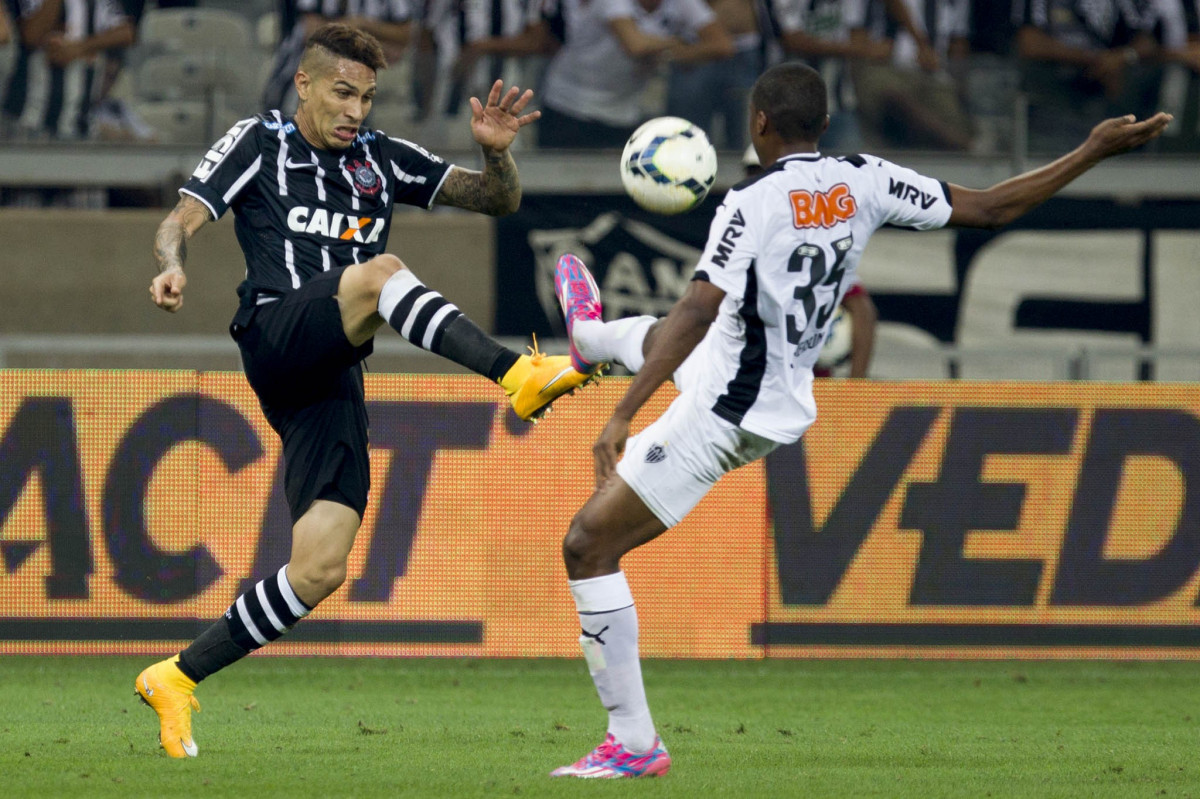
pixel 818 31
pixel 992 77
pixel 703 90
pixel 592 91
pixel 461 47
pixel 1084 60
pixel 915 101
pixel 389 21
pixel 67 58
pixel 6 49
pixel 1176 28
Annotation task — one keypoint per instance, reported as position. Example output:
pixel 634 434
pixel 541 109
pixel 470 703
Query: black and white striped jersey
pixel 784 246
pixel 301 210
pixel 45 100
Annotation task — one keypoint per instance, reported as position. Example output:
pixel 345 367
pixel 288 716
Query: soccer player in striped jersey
pixel 312 198
pixel 740 345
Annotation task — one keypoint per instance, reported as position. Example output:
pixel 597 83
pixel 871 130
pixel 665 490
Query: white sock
pixel 619 341
pixel 609 638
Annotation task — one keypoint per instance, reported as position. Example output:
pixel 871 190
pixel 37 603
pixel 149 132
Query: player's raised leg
pixel 594 341
pixel 385 290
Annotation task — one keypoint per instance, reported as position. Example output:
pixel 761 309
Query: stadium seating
pixel 195 30
pixel 176 121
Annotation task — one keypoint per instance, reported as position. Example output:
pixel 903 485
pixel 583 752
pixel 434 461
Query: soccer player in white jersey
pixel 741 344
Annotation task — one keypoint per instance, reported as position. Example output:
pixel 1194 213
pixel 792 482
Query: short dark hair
pixel 793 97
pixel 345 41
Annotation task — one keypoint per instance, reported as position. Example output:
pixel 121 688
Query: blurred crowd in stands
pixel 971 76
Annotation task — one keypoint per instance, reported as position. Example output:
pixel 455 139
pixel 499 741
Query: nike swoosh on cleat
pixel 146 685
pixel 566 371
pixel 190 747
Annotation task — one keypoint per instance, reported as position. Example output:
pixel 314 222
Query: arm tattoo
pixel 170 242
pixel 495 191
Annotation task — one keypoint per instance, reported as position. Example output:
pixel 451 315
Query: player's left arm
pixel 496 190
pixel 679 333
pixel 1012 198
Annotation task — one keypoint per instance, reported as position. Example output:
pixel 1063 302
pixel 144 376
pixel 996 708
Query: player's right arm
pixel 1012 198
pixel 170 251
pixel 678 334
pixel 224 173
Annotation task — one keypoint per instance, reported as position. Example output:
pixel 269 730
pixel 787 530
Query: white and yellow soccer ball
pixel 668 165
pixel 838 341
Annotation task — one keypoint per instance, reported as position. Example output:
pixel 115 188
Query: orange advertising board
pixel 914 519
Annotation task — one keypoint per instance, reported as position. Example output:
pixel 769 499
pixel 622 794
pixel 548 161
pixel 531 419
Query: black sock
pixel 430 321
pixel 464 343
pixel 259 616
pixel 211 652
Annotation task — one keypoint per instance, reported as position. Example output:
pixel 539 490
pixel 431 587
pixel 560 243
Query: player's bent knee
pixel 314 583
pixel 585 551
pixel 387 263
pixel 369 276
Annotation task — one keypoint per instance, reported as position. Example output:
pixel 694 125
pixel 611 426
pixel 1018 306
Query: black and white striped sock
pixel 259 616
pixel 265 612
pixel 430 321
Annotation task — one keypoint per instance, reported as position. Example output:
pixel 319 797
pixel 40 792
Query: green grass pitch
pixel 306 727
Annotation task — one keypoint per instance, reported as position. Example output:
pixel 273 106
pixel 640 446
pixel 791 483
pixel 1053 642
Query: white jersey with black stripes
pixel 784 246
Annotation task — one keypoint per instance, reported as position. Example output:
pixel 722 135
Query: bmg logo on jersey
pixel 319 222
pixel 824 209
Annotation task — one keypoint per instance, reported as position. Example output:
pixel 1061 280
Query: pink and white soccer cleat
pixel 610 760
pixel 580 299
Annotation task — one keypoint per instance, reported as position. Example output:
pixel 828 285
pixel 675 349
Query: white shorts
pixel 673 463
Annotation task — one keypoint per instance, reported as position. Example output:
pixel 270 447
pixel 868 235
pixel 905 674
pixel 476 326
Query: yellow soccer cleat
pixel 168 691
pixel 537 379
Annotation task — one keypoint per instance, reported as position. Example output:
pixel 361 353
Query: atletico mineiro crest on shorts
pixel 657 453
pixel 365 178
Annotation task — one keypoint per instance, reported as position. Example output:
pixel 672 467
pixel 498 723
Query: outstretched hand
pixel 1120 134
pixel 608 449
pixel 495 125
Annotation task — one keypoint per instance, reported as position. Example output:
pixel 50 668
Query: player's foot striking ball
pixel 537 379
pixel 580 300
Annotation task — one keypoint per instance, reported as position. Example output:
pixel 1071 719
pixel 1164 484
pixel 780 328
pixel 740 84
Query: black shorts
pixel 309 381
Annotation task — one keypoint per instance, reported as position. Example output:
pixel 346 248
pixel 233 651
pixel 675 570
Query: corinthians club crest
pixel 366 179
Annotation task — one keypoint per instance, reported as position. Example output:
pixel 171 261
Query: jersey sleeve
pixel 907 198
pixel 729 251
pixel 418 174
pixel 227 168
